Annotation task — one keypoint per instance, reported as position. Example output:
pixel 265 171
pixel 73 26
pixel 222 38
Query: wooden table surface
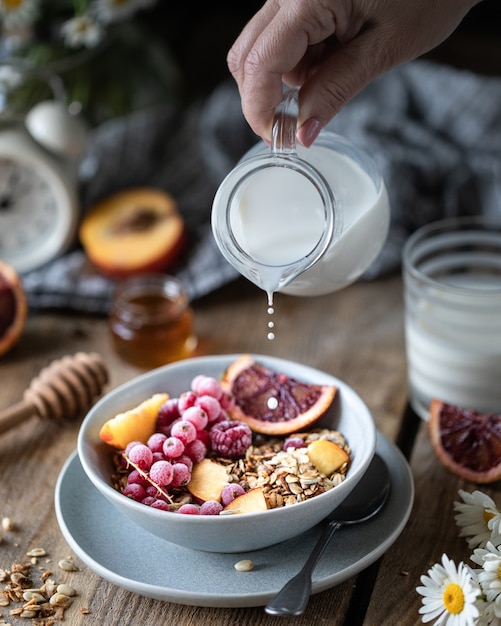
pixel 356 334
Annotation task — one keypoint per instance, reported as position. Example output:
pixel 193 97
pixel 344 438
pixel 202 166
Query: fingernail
pixel 308 132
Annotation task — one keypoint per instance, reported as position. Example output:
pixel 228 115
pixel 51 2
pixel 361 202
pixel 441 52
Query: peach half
pixel 132 232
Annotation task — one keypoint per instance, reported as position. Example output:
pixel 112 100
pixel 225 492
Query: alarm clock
pixel 39 207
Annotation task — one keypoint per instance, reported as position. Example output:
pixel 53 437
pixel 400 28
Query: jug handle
pixel 285 123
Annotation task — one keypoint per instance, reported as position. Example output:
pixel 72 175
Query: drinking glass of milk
pixel 452 286
pixel 301 221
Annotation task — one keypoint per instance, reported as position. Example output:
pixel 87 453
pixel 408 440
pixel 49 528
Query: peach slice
pixel 137 424
pixel 327 456
pixel 207 480
pixel 251 501
pixel 132 232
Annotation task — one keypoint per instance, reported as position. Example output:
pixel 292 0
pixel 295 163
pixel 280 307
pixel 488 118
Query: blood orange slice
pixel 13 307
pixel 467 442
pixel 273 403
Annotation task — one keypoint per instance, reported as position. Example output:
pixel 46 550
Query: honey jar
pixel 151 321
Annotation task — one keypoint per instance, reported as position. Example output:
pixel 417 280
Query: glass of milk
pixel 452 287
pixel 301 221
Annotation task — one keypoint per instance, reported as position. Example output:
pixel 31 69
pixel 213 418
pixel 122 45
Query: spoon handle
pixel 293 598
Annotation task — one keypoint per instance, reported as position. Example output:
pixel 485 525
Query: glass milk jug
pixel 302 221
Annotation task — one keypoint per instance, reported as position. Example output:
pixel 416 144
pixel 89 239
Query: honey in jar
pixel 151 321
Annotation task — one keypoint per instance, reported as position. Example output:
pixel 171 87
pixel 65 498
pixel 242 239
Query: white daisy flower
pixel 489 576
pixel 81 31
pixel 490 613
pixel 10 76
pixel 449 595
pixel 494 525
pixel 478 518
pixel 18 12
pixel 115 10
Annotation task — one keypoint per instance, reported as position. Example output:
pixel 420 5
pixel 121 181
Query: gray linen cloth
pixel 435 132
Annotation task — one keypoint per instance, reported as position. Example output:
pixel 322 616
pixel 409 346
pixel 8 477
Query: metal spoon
pixel 366 499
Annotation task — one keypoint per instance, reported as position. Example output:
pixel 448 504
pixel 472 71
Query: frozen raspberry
pixel 185 431
pixel 230 438
pixel 197 416
pixel 230 492
pixel 210 405
pixel 181 475
pixel 161 473
pixel 211 507
pixel 173 447
pixel 189 509
pixel 294 443
pixel 141 456
pixel 135 492
pixel 156 441
pixel 167 413
pixel 196 450
pixel 186 400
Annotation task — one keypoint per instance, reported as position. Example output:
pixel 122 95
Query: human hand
pixel 332 49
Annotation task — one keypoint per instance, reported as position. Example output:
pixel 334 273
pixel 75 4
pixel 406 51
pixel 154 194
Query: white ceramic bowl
pixel 229 533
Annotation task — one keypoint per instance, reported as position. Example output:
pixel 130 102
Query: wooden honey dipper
pixel 65 388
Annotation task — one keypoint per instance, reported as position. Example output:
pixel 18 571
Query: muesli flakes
pixel 44 605
pixel 286 476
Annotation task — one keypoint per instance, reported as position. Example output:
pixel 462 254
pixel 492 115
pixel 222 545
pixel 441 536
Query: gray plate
pixel 130 557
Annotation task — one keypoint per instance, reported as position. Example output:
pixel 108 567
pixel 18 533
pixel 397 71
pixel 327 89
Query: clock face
pixel 21 189
pixel 38 209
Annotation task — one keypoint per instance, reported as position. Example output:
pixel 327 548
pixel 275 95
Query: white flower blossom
pixel 489 576
pixel 10 76
pixel 490 613
pixel 15 13
pixel 81 31
pixel 449 595
pixel 478 518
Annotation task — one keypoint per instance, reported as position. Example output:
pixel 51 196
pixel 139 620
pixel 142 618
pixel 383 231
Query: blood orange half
pixel 467 442
pixel 13 307
pixel 272 403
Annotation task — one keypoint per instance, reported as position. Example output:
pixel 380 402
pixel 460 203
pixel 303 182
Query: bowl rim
pixel 109 491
